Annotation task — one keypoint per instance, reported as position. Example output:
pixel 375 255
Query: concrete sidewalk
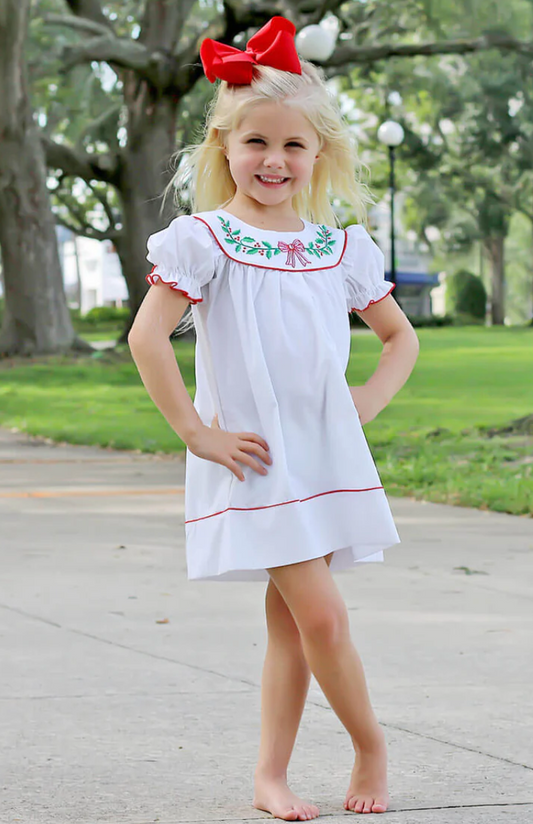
pixel 128 694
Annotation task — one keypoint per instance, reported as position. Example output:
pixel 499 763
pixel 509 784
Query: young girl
pixel 280 483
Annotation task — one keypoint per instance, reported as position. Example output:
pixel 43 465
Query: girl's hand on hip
pixel 227 448
pixel 366 403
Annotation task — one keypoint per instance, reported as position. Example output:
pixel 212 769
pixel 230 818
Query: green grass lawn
pixel 111 334
pixel 430 442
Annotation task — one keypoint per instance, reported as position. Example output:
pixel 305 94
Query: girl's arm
pixel 398 357
pixel 148 339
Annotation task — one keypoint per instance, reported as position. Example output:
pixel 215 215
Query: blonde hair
pixel 336 173
pixel 203 169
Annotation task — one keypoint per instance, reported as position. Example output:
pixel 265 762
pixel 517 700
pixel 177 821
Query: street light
pixel 391 134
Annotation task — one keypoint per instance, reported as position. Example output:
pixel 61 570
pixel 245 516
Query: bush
pixel 466 297
pixel 415 320
pixel 434 320
pixel 101 314
pixel 466 319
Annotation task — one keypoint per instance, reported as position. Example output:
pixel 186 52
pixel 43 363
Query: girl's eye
pixel 259 140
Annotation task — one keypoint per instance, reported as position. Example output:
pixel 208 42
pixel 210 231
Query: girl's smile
pixel 270 181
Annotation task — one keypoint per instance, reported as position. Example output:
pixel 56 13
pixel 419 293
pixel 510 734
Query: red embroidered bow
pixel 296 248
pixel 273 45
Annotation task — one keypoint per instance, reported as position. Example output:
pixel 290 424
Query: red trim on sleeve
pixel 153 279
pixel 355 309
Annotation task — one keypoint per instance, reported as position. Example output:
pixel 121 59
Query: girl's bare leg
pixel 285 683
pixel 320 614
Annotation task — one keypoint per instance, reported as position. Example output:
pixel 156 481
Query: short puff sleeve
pixel 364 271
pixel 183 257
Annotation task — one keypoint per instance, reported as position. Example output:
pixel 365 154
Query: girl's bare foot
pixel 274 796
pixel 367 792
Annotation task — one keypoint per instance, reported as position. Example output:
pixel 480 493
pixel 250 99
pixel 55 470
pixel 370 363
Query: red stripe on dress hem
pixel 278 268
pixel 152 280
pixel 283 503
pixel 355 309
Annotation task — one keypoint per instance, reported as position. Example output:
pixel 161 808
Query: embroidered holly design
pixel 321 245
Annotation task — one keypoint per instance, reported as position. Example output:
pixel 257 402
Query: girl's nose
pixel 274 161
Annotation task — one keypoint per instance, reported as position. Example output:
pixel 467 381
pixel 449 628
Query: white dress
pixel 273 341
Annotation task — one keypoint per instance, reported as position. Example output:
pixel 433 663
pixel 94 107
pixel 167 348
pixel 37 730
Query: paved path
pixel 128 694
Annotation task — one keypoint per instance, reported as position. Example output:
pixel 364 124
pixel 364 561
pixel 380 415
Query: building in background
pixel 415 285
pixel 91 272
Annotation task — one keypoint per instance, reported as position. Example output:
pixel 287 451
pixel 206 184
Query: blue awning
pixel 414 278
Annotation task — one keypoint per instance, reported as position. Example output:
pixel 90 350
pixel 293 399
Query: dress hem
pixel 343 560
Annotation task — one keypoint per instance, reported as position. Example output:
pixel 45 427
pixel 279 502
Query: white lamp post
pixel 391 134
pixel 316 43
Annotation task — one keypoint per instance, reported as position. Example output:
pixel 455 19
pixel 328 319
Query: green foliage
pixel 431 322
pixel 466 296
pixel 101 315
pixel 465 165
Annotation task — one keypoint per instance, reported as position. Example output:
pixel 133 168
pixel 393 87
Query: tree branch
pixel 80 23
pixel 370 54
pixel 125 53
pixel 90 10
pixel 105 204
pixel 104 167
pixel 82 227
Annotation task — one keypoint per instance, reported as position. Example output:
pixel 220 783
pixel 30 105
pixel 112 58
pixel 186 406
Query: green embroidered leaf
pixel 269 253
pixel 277 251
pixel 238 247
pixel 267 244
pixel 248 240
pixel 253 251
pixel 230 240
pixel 236 232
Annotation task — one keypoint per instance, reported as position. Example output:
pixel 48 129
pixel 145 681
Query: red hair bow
pixel 273 45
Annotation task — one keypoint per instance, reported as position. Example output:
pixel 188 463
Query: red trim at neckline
pixel 278 268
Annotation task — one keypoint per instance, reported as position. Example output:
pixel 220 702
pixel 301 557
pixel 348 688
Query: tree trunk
pixel 495 249
pixel 144 173
pixel 36 317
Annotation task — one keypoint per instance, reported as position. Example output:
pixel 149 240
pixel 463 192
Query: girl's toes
pixel 379 807
pixel 358 806
pixel 367 808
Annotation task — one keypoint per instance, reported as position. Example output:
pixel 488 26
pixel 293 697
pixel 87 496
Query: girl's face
pixel 271 154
